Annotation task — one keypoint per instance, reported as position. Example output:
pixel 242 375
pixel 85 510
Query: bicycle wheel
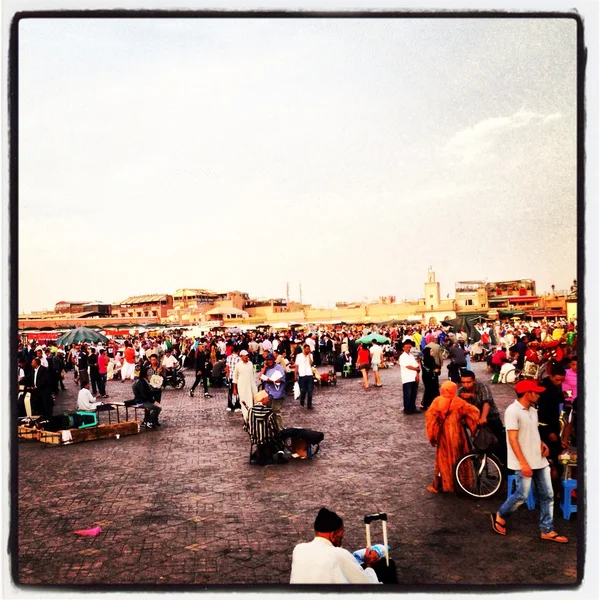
pixel 478 474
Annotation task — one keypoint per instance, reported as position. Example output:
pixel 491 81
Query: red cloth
pixel 130 355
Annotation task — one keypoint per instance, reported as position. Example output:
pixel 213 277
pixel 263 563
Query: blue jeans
pixel 543 486
pixel 409 392
pixel 306 384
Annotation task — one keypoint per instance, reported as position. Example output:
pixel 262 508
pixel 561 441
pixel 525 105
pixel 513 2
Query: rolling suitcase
pixel 385 567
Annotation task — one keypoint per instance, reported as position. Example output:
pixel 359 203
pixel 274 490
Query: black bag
pixel 312 438
pixel 387 574
pixel 310 435
pixel 484 439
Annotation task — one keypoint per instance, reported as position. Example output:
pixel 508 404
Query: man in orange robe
pixel 444 421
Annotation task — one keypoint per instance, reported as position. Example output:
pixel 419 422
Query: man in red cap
pixel 527 457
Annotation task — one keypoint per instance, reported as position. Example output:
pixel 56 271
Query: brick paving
pixel 181 504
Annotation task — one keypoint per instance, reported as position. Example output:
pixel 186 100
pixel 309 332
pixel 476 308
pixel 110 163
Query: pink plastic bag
pixel 94 531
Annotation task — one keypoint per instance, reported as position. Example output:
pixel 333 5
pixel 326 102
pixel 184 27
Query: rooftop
pixel 142 299
pixel 194 292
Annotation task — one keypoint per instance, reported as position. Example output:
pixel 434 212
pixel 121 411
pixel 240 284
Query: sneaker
pixel 148 425
pixel 238 410
pixel 191 393
pixel 229 409
pixel 301 402
pixel 207 395
pixel 105 396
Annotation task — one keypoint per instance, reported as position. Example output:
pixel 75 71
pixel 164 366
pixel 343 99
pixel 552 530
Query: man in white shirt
pixel 85 399
pixel 304 376
pixel 169 361
pixel 376 353
pixel 39 353
pixel 311 343
pixel 409 370
pixel 324 561
pixel 266 345
pixel 527 457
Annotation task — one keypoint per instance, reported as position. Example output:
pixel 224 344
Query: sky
pixel 347 156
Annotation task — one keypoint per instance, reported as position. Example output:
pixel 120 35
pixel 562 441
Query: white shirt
pixel 525 421
pixel 35 372
pixel 85 400
pixel 407 375
pixel 376 351
pixel 169 361
pixel 44 361
pixel 320 561
pixel 304 367
pixel 266 345
pixel 311 343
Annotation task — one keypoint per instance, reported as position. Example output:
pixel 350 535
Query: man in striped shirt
pixel 232 360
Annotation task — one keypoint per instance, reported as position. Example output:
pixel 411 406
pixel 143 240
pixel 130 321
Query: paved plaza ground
pixel 182 505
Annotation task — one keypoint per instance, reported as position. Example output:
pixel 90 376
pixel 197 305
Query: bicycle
pixel 478 473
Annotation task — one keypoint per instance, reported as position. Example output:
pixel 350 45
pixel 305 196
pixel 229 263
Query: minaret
pixel 432 291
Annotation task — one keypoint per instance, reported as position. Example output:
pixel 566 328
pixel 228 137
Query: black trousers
pixel 203 377
pixel 94 378
pixel 46 405
pixel 102 383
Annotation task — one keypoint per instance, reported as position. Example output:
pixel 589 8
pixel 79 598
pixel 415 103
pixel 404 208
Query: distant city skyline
pixel 296 297
pixel 348 155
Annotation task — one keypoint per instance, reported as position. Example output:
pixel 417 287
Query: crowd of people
pixel 529 442
pixel 419 350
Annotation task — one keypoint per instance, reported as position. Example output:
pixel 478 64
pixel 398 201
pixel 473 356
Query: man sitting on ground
pixel 325 561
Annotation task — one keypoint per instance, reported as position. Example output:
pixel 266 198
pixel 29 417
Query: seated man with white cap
pixel 324 560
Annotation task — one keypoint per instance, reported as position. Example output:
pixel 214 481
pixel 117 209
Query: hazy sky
pixel 348 155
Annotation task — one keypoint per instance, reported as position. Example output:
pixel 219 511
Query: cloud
pixel 470 145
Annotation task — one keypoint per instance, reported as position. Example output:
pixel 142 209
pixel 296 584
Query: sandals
pixel 497 526
pixel 554 537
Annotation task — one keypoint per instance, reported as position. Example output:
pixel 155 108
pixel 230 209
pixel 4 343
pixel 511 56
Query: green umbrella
pixel 368 339
pixel 81 334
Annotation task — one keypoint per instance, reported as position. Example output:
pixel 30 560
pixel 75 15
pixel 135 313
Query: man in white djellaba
pixel 324 561
pixel 244 383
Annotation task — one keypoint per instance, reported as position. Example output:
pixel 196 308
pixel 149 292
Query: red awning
pixel 522 298
pixel 44 336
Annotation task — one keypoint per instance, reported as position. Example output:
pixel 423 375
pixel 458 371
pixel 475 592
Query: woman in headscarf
pixel 431 373
pixel 444 422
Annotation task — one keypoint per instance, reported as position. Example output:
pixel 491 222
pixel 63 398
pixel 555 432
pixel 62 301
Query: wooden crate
pixel 28 433
pixel 74 436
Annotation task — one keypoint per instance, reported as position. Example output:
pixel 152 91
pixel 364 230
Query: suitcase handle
pixel 378 517
pixel 375 517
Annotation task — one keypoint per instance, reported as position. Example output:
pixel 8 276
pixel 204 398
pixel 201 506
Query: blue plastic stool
pixel 532 499
pixel 566 504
